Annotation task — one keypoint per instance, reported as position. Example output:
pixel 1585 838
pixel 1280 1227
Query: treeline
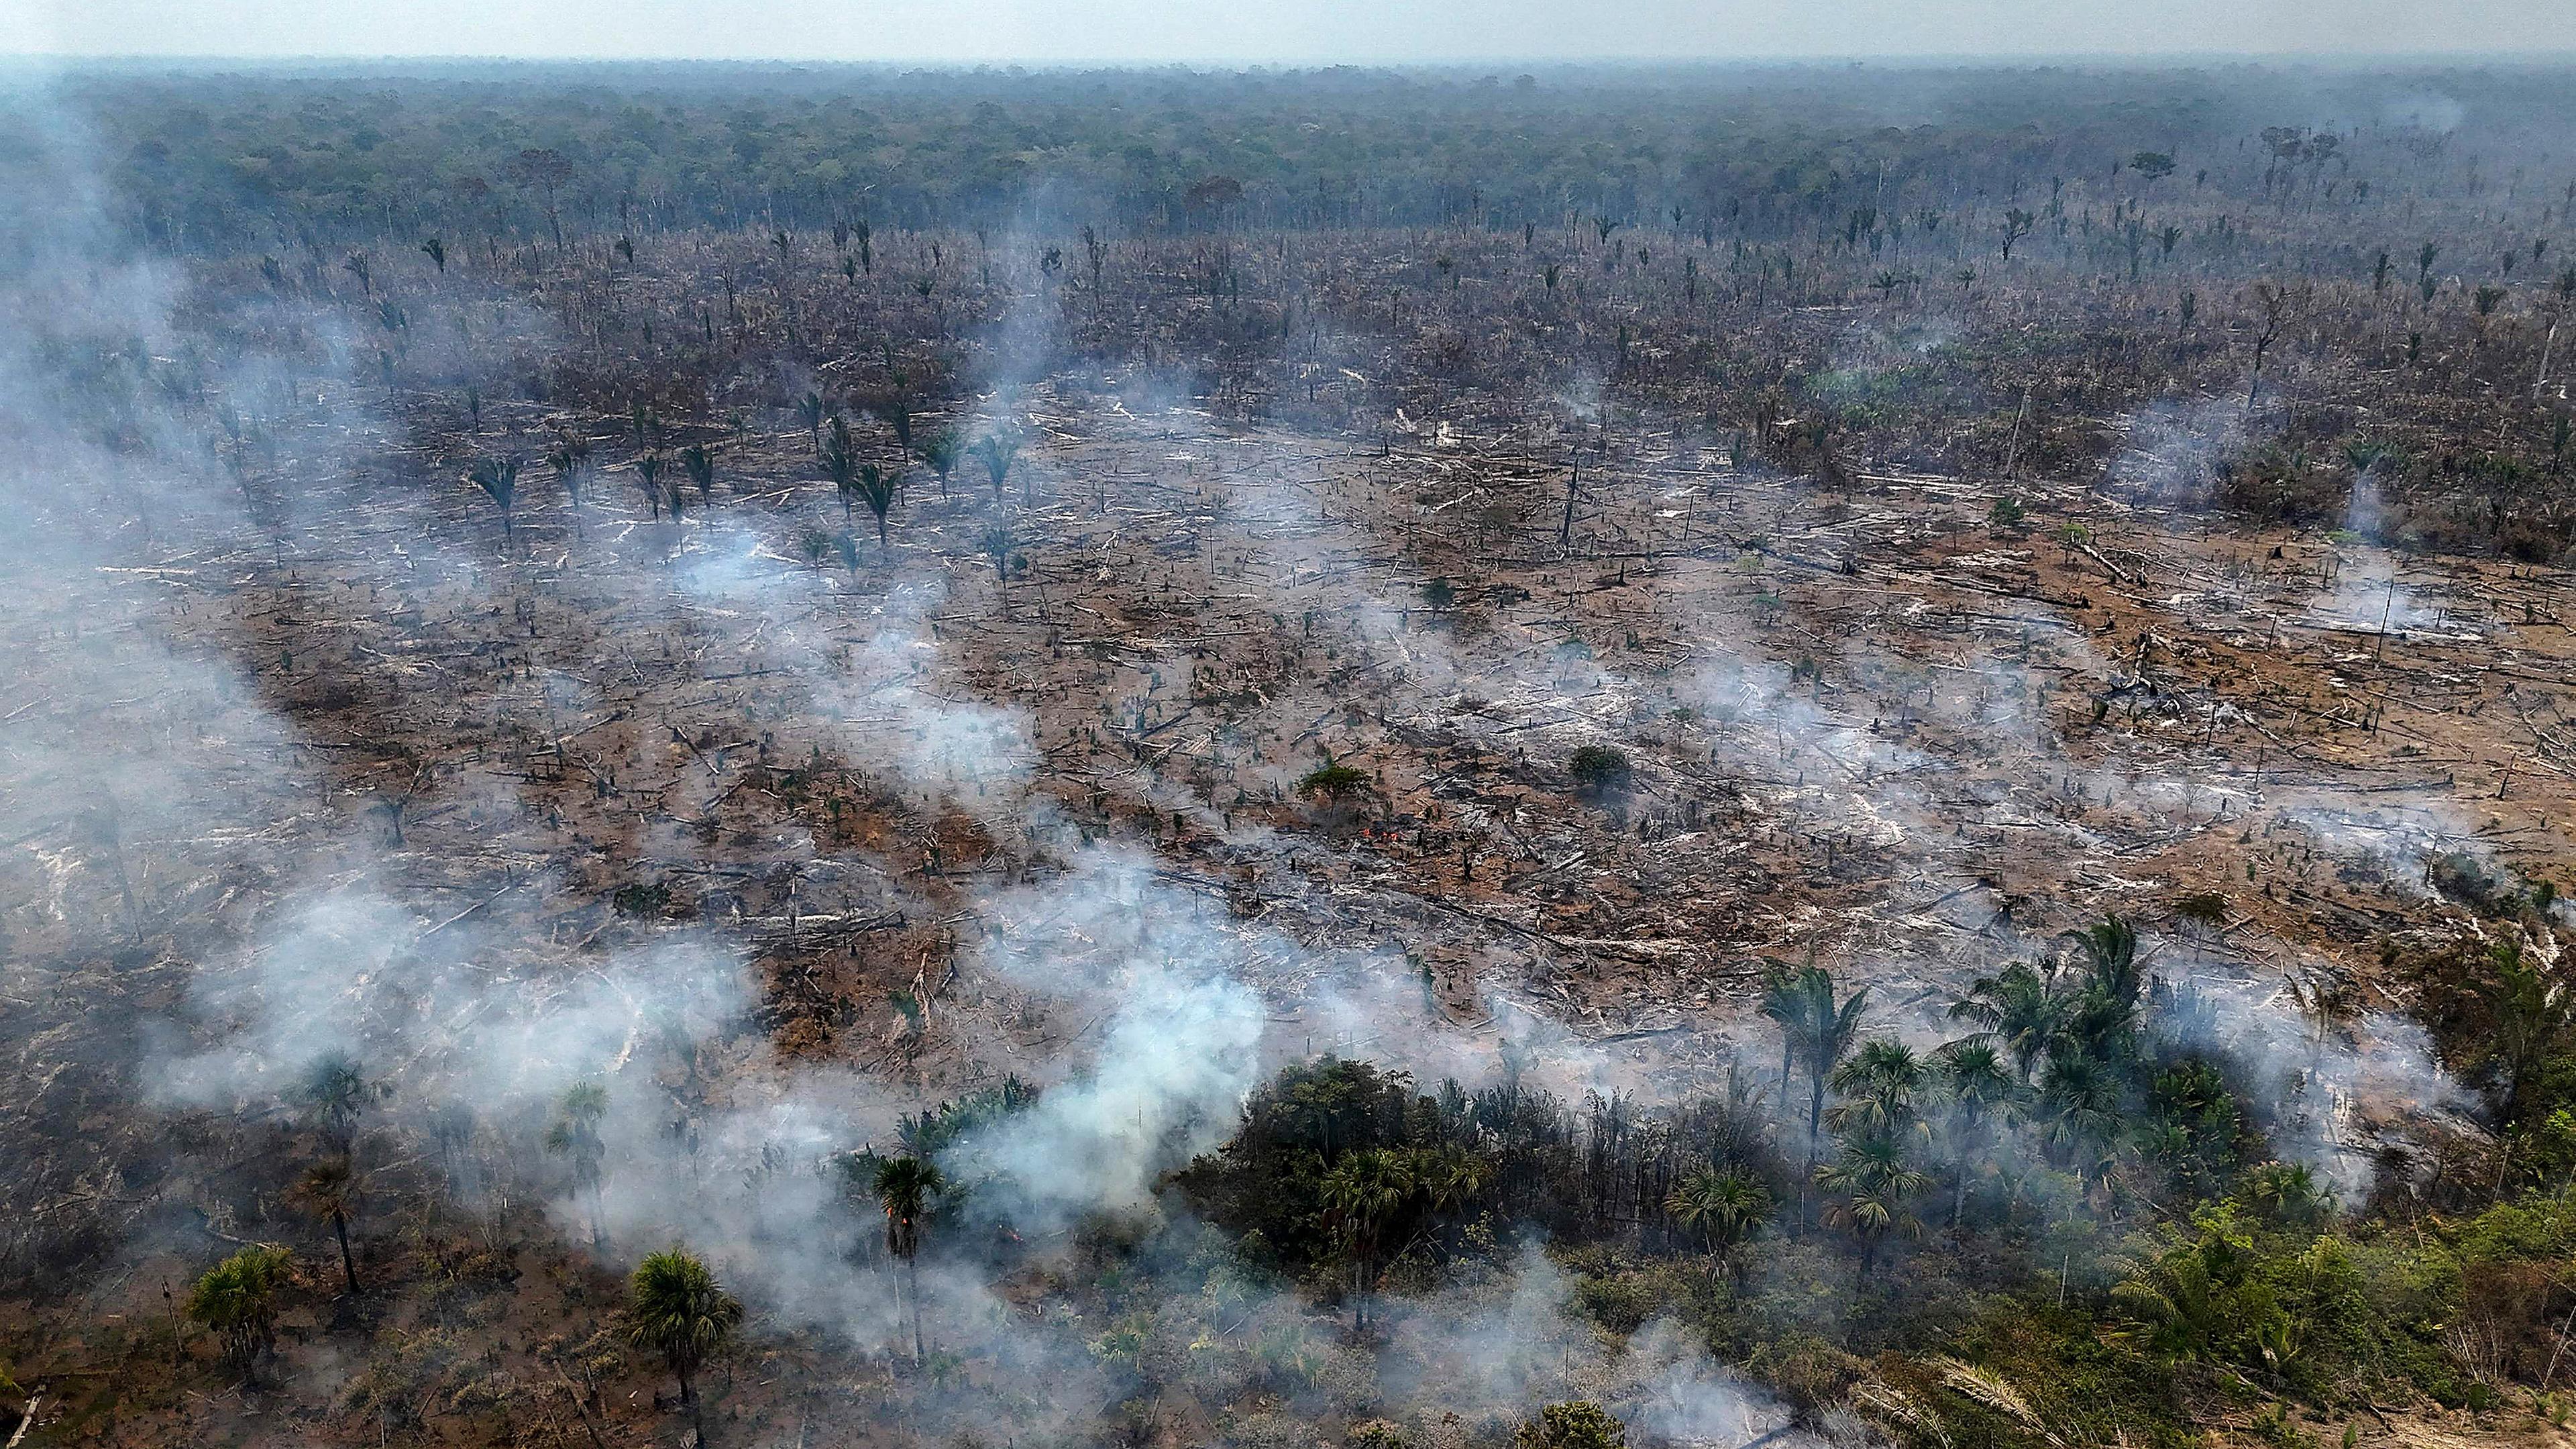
pixel 2082 1213
pixel 2076 1216
pixel 264 159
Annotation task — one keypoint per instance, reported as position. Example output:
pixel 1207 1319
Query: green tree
pixel 1877 1185
pixel 997 541
pixel 1447 1178
pixel 2286 1195
pixel 1726 1207
pixel 336 1093
pixel 1878 1086
pixel 1825 1033
pixel 996 451
pixel 2080 1107
pixel 2016 1009
pixel 2108 947
pixel 547 172
pixel 451 1128
pixel 2101 1019
pixel 906 1186
pixel 939 450
pixel 329 1191
pixel 876 489
pixel 1598 769
pixel 2224 1291
pixel 699 461
pixel 1361 1195
pixel 575 1138
pixel 1974 1081
pixel 2180 1301
pixel 2192 1127
pixel 1786 1006
pixel 675 1307
pixel 2531 1012
pixel 236 1301
pixel 841 460
pixel 896 408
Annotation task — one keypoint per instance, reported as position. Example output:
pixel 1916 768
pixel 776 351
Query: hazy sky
pixel 1279 30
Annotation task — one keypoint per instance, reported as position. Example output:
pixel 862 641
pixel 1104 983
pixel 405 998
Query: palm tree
pixel 896 409
pixel 2103 1017
pixel 811 408
pixel 996 452
pixel 906 1186
pixel 876 489
pixel 236 1301
pixel 648 470
pixel 939 450
pixel 499 477
pixel 1975 1080
pixel 1874 1210
pixel 1826 1037
pixel 1726 1206
pixel 700 461
pixel 841 460
pixel 1876 1183
pixel 2109 948
pixel 1361 1195
pixel 2079 1102
pixel 451 1127
pixel 1878 1086
pixel 570 458
pixel 2287 1193
pixel 675 1307
pixel 575 1138
pixel 1786 1005
pixel 335 1090
pixel 1447 1178
pixel 997 541
pixel 329 1191
pixel 2017 1009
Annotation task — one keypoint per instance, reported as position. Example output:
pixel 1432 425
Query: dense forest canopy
pixel 240 158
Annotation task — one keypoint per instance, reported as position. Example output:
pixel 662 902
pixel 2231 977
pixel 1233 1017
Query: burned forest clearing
pixel 1890 790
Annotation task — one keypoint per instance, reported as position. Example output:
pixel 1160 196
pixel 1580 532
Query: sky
pixel 1279 31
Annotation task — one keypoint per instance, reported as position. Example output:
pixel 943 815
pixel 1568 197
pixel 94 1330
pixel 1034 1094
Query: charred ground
pixel 1503 640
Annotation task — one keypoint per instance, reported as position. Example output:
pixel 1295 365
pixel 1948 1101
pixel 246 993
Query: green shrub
pixel 1623 1302
pixel 1806 1371
pixel 1598 769
pixel 1333 783
pixel 236 1301
pixel 1575 1424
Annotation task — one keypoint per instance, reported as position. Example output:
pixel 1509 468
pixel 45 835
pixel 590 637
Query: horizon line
pixel 1956 59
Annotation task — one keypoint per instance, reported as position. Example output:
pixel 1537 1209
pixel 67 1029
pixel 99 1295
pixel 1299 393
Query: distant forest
pixel 254 159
